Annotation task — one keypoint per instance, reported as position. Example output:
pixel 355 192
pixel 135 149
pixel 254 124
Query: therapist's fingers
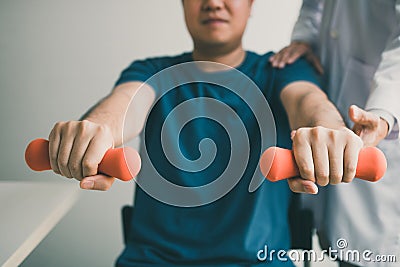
pixel 285 58
pixel 97 182
pixel 295 55
pixel 369 126
pixel 281 57
pixel 314 60
pixel 289 54
pixel 299 185
pixel 292 53
pixel 277 58
pixel 362 117
pixel 298 49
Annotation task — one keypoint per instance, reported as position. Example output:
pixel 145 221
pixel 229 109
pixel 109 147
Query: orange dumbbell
pixel 123 163
pixel 371 165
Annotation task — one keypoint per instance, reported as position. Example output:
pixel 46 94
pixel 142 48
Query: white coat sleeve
pixel 307 26
pixel 385 94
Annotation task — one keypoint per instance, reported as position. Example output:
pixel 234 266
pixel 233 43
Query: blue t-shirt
pixel 171 226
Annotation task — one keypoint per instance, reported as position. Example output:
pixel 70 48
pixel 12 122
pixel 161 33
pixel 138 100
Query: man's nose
pixel 213 5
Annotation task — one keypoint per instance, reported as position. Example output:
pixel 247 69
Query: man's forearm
pixel 110 112
pixel 308 106
pixel 317 110
pixel 123 111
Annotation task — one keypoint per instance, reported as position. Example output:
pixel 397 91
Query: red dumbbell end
pixel 37 155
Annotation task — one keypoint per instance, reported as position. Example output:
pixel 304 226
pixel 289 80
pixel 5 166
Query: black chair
pixel 301 223
pixel 126 222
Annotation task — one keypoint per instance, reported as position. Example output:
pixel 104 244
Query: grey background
pixel 57 58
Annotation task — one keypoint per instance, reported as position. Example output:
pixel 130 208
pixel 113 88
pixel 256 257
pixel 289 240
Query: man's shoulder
pixel 259 56
pixel 162 62
pixel 256 61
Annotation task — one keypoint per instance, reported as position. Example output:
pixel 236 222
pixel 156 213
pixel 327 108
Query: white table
pixel 28 212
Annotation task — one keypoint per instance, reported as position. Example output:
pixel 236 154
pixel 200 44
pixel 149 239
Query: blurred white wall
pixel 57 58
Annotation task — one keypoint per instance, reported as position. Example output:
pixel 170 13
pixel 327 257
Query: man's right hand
pixel 294 51
pixel 76 148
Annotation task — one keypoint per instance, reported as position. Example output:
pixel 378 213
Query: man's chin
pixel 214 43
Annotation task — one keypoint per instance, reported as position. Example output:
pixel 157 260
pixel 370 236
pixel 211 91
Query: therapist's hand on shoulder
pixel 293 52
pixel 369 126
pixel 76 148
pixel 324 156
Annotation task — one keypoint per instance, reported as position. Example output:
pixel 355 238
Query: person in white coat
pixel 356 46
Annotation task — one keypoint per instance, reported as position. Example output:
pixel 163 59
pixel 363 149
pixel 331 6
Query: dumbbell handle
pixel 279 163
pixel 123 163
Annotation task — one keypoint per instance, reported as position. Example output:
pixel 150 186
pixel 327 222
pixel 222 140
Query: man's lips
pixel 214 21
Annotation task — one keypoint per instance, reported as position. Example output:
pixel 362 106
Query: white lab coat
pixel 358 42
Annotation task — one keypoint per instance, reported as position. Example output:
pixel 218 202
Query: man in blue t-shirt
pixel 204 118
